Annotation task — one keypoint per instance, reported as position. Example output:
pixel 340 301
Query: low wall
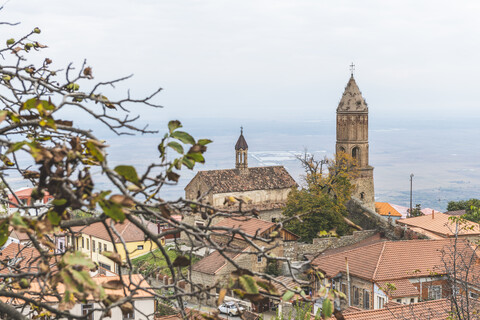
pixel 296 250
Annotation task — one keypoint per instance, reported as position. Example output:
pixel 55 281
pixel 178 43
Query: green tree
pixel 320 204
pixel 417 211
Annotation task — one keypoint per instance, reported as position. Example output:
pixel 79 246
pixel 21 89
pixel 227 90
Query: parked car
pixel 230 308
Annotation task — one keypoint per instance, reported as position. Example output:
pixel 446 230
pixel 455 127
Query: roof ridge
pixel 379 258
pixel 363 247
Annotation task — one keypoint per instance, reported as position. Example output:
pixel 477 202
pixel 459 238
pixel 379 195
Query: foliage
pixel 321 203
pixel 273 268
pixel 463 204
pixel 155 263
pixel 417 211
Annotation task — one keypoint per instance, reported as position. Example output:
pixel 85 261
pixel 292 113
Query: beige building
pixel 94 239
pixel 264 188
pixel 352 139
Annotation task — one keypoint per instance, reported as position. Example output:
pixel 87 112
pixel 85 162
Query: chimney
pixel 433 214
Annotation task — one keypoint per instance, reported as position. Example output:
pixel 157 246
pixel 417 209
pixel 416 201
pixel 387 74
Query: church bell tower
pixel 352 138
pixel 241 153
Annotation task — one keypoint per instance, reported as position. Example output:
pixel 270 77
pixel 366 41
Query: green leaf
pixel 288 295
pixel 176 146
pixel 92 148
pixel 17 221
pixel 77 258
pixel 59 202
pixel 15 146
pixel 248 284
pixel 204 142
pixel 113 210
pixel 29 104
pixel 128 172
pixel 188 163
pixel 173 125
pixel 4 232
pixel 327 309
pixel 183 136
pixel 196 156
pixel 54 217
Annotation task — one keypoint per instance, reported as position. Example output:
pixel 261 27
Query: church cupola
pixel 241 152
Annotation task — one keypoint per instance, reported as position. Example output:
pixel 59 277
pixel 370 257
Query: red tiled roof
pixel 257 178
pixel 385 209
pixel 403 288
pixel 250 226
pixel 212 263
pixel 388 260
pixel 439 223
pixel 128 231
pixel 431 310
pixel 26 256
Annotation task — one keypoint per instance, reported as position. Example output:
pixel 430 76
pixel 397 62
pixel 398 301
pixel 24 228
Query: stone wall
pixel 296 250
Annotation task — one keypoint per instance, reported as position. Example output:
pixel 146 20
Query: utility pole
pixel 411 187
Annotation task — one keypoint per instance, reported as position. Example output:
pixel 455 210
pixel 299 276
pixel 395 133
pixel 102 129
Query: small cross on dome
pixel 352 69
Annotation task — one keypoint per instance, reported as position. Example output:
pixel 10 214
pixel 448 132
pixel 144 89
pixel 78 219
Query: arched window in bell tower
pixel 356 154
pixel 342 149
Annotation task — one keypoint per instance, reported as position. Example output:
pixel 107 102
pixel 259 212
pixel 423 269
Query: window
pixel 334 284
pixel 380 302
pixel 83 242
pixel 87 309
pixel 104 247
pixel 140 247
pixel 259 257
pixel 473 295
pixel 88 244
pixel 105 266
pixel 366 300
pixel 412 300
pixel 344 288
pixel 435 292
pixel 199 224
pixel 99 247
pixel 399 300
pixel 130 315
pixel 356 296
pixel 93 245
pixel 274 220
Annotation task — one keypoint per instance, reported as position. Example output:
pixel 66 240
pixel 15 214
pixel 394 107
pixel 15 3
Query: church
pixel 264 188
pixel 352 138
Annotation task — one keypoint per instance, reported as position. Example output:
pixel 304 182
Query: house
pixel 94 238
pixel 387 210
pixel 25 197
pixel 232 234
pixel 402 271
pixel 431 310
pixel 439 225
pixel 143 301
pixel 263 188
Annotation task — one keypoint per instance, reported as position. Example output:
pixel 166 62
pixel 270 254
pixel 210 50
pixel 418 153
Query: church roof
pixel 352 100
pixel 256 178
pixel 241 143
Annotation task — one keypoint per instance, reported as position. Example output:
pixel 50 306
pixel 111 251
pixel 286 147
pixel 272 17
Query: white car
pixel 230 308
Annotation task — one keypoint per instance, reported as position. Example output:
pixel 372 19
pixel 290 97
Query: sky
pixel 275 59
pixel 280 67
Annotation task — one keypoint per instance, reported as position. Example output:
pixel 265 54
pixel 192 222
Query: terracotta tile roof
pixel 128 231
pixel 439 224
pixel 384 209
pixel 403 288
pixel 26 256
pixel 288 282
pixel 212 263
pixel 18 235
pixel 387 260
pixel 432 310
pixel 365 242
pixel 250 226
pixel 257 178
pixel 456 212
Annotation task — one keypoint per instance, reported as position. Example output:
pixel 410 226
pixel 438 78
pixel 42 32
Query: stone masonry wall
pixel 296 250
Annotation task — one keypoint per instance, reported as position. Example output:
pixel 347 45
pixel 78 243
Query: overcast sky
pixel 271 58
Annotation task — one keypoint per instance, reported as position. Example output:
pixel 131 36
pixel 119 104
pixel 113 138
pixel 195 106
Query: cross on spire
pixel 241 130
pixel 352 69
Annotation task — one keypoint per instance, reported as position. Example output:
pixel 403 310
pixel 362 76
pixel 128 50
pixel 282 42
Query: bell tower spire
pixel 241 152
pixel 352 138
